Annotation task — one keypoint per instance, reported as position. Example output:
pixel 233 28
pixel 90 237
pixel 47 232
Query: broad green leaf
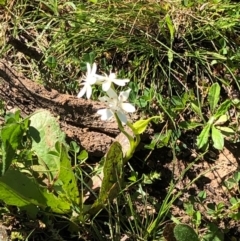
pixel 141 125
pixel 19 190
pixel 222 109
pixel 213 96
pixel 221 120
pixel 67 178
pixel 44 131
pixel 183 232
pixel 226 130
pixel 112 177
pixel 218 139
pixel 11 138
pixel 188 125
pixel 15 190
pixel 202 139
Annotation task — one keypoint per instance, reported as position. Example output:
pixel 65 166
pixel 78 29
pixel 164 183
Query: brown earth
pixel 77 117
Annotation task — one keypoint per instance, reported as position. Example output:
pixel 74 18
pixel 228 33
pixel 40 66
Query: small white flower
pixel 90 79
pixel 108 80
pixel 116 104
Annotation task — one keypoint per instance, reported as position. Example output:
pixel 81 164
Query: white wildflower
pixel 116 105
pixel 89 80
pixel 108 80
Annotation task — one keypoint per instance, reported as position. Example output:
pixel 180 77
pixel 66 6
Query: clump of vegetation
pixel 182 59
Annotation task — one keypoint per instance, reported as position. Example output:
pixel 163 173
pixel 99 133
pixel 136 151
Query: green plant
pixel 216 210
pixel 232 183
pixel 32 161
pixel 218 116
pixel 183 232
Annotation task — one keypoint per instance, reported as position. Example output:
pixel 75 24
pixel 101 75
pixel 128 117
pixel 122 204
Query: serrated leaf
pixel 202 139
pixel 222 109
pixel 218 139
pixel 213 96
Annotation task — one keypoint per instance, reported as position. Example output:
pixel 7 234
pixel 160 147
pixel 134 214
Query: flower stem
pixel 133 142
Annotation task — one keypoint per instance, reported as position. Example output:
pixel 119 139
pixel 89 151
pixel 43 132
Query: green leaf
pixel 195 107
pixel 2 2
pixel 112 177
pixel 218 139
pixel 68 187
pixel 183 232
pixel 213 96
pixel 141 125
pixel 170 26
pixel 213 234
pixel 222 109
pixel 189 125
pixel 45 132
pixel 15 190
pixel 163 139
pixel 51 62
pixel 226 130
pixel 19 190
pixel 202 139
pixel 83 156
pixel 24 192
pixel 221 120
pixel 11 137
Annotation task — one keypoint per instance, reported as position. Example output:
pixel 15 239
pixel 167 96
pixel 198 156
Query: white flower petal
pixel 123 96
pixel 112 76
pixel 91 80
pixel 106 85
pixel 112 94
pixel 106 114
pixel 128 107
pixel 94 69
pixel 122 117
pixel 82 91
pixel 104 99
pixel 99 79
pixel 120 82
pixel 88 69
pixel 89 91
